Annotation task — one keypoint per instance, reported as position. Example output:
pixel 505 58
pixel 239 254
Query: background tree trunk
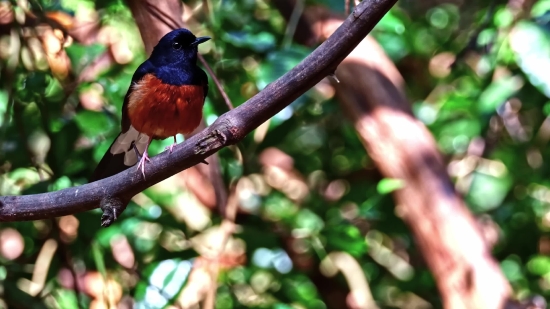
pixel 371 93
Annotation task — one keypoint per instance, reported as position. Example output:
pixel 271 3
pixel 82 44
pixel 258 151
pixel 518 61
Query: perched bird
pixel 166 97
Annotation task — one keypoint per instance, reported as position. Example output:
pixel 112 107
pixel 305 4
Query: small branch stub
pixel 334 77
pixel 112 208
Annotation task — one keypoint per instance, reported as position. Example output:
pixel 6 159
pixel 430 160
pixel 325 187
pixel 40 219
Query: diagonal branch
pixel 228 129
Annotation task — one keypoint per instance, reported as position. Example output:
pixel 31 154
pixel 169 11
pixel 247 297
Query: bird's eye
pixel 176 45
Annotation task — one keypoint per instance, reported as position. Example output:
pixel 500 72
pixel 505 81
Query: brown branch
pixel 113 193
pixel 447 234
pixel 213 174
pixel 449 238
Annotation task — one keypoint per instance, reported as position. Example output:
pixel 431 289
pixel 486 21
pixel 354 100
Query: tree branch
pixel 228 129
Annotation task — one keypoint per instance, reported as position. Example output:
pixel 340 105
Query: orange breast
pixel 161 110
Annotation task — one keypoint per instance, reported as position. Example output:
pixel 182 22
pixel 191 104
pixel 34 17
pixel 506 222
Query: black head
pixel 177 47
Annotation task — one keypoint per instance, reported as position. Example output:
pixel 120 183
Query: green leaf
pixel 278 207
pixel 259 42
pixel 388 185
pixel 66 298
pixel 531 44
pixel 391 22
pixel 347 238
pixel 309 221
pixel 97 254
pixel 539 265
pixel 498 92
pixel 278 63
pixel 487 192
pixel 93 123
pixel 511 269
pixel 504 17
pixel 540 8
pixel 61 183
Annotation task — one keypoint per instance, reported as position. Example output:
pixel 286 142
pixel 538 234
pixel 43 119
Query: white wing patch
pixel 124 142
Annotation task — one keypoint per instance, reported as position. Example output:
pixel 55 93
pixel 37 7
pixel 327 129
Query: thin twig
pixel 162 16
pixel 217 82
pixel 346 7
pixel 216 178
pixel 293 22
pixel 208 7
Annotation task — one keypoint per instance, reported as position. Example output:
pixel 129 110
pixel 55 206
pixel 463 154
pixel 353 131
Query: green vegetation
pixel 477 77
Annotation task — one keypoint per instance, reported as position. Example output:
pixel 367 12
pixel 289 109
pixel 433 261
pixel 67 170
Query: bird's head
pixel 176 47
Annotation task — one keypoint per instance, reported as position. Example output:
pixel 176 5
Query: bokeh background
pixel 316 224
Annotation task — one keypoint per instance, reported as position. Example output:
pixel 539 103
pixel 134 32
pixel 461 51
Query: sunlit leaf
pixel 93 123
pixel 532 46
pixel 388 185
pixel 539 265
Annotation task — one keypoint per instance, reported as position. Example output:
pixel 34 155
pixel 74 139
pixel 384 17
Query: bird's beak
pixel 200 40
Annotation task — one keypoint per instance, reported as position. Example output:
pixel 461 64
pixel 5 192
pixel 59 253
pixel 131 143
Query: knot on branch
pixel 112 208
pixel 212 141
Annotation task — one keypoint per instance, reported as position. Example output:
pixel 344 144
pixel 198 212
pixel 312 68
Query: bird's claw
pixel 144 157
pixel 170 148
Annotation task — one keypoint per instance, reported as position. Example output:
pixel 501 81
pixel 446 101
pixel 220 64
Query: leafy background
pixel 477 74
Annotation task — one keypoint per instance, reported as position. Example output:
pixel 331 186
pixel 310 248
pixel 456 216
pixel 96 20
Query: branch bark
pixel 228 129
pixel 371 92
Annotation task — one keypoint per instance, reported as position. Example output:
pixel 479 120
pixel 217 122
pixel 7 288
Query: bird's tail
pixel 121 154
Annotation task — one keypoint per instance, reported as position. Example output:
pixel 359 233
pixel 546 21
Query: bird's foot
pixel 144 157
pixel 171 147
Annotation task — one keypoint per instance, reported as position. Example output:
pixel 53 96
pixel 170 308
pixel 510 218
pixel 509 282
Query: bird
pixel 166 97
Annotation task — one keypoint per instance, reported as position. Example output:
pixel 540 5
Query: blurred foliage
pixel 477 76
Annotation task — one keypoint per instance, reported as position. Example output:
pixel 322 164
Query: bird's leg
pixel 171 147
pixel 144 157
pixel 138 155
